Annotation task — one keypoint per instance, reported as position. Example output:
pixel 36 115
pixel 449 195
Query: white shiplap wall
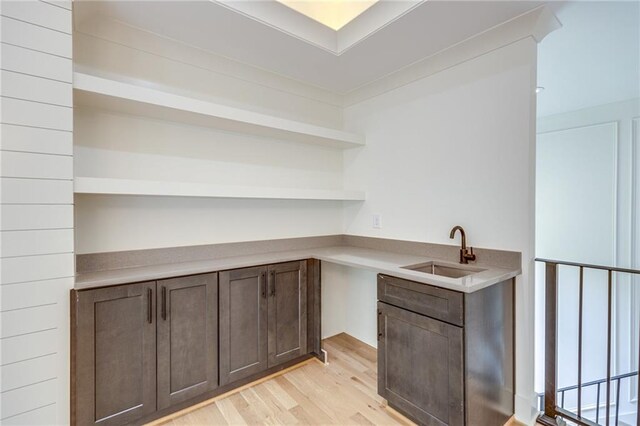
pixel 36 214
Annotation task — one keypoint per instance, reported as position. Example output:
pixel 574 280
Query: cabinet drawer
pixel 435 302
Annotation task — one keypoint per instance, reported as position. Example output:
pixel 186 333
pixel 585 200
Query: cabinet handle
pixel 164 303
pixel 150 305
pixel 273 284
pixel 263 285
pixel 380 325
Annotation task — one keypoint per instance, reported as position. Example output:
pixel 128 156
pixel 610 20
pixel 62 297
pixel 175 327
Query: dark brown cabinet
pixel 187 330
pixel 445 357
pixel 141 351
pixel 263 318
pixel 287 312
pixel 243 323
pixel 115 365
pixel 420 366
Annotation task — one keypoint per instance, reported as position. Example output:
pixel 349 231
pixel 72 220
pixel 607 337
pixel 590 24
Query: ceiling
pixel 388 36
pixel 335 14
pixel 593 59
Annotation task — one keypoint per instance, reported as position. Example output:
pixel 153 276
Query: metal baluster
pixel 551 331
pixel 581 296
pixel 617 401
pixel 607 408
pixel 598 405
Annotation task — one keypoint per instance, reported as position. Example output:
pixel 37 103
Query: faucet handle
pixel 470 255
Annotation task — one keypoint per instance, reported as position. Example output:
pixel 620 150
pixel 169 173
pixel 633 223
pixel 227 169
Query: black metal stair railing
pixel 552 412
pixel 598 384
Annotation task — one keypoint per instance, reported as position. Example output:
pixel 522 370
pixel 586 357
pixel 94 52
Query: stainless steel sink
pixel 445 270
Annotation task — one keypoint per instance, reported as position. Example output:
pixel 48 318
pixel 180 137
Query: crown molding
pixel 536 23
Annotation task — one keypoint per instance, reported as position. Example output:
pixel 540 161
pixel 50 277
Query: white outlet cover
pixel 377 221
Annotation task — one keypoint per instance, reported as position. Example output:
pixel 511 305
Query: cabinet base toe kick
pixel 144 350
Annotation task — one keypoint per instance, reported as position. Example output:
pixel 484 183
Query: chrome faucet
pixel 465 254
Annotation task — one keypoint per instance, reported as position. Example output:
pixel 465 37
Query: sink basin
pixel 445 270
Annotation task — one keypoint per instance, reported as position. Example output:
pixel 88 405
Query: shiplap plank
pixel 40 416
pixel 29 397
pixel 31 36
pixel 36 191
pixel 36 165
pixel 35 63
pixel 34 293
pixel 39 13
pixel 30 165
pixel 28 320
pixel 36 268
pixel 31 217
pixel 27 372
pixel 30 243
pixel 27 346
pixel 33 139
pixel 36 114
pixel 30 88
pixel 67 4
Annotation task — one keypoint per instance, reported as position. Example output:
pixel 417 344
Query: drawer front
pixel 435 302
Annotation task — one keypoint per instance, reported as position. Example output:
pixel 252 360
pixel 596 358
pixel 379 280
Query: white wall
pixel 453 148
pixel 36 195
pixel 587 176
pixel 108 144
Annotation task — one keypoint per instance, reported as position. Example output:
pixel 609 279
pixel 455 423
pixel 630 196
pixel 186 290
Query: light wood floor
pixel 341 393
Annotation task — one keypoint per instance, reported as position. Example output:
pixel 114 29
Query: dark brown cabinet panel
pixel 420 366
pixel 243 323
pixel 115 362
pixel 445 357
pixel 141 351
pixel 287 311
pixel 187 324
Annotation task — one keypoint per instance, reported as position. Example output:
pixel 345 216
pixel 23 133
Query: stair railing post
pixel 548 417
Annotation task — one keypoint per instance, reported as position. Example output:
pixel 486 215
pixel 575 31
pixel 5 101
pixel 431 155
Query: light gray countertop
pixel 379 261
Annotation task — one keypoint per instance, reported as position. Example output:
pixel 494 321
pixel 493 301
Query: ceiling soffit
pixel 283 18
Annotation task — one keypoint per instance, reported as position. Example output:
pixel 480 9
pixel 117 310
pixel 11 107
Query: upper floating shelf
pixel 109 186
pixel 148 102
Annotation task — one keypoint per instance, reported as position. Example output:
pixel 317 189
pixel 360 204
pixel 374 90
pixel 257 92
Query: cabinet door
pixel 243 323
pixel 187 319
pixel 420 366
pixel 287 311
pixel 115 353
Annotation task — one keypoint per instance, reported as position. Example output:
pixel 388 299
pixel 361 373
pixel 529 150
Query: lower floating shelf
pixel 91 185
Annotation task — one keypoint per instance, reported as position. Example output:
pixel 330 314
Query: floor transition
pixel 340 393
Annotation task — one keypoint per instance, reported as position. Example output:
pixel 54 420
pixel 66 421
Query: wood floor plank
pixel 359 419
pixel 310 406
pixel 344 392
pixel 230 413
pixel 283 398
pixel 281 414
pixel 251 416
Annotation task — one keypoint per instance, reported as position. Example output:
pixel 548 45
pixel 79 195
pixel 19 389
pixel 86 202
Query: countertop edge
pixel 389 263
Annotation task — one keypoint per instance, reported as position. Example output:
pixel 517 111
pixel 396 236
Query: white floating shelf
pixel 148 102
pixel 91 185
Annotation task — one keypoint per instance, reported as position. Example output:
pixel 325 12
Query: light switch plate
pixel 377 221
